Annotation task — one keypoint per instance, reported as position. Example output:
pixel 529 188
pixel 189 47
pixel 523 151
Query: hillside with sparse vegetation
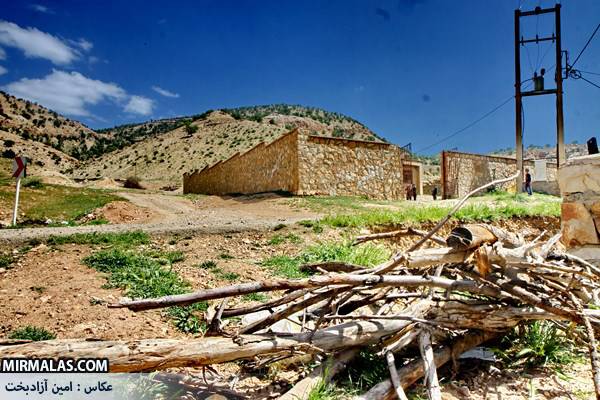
pixel 161 151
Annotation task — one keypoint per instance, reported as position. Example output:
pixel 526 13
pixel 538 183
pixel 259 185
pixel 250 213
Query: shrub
pixel 133 182
pixel 538 344
pixel 33 333
pixel 33 183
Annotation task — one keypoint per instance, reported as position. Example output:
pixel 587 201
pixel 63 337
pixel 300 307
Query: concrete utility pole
pixel 539 89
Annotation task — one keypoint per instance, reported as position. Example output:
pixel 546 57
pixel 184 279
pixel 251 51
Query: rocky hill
pixel 159 152
pixel 547 151
pixel 34 123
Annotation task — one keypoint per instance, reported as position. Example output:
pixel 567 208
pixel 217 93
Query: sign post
pixel 18 170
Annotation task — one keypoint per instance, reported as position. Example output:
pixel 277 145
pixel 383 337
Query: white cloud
pixel 36 44
pixel 67 92
pixel 3 70
pixel 164 92
pixel 41 8
pixel 83 44
pixel 140 105
pixel 2 54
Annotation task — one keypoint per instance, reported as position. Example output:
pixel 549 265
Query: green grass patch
pixel 226 256
pixel 418 214
pixel 207 264
pixel 133 238
pixel 365 371
pixel 33 333
pixel 260 297
pixel 6 260
pixel 228 276
pixel 290 238
pixel 145 276
pixel 367 255
pixel 538 344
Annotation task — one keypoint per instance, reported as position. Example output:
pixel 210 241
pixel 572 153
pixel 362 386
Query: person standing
pixel 434 193
pixel 414 192
pixel 528 182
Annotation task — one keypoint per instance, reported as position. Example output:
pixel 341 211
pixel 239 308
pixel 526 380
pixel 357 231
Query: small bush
pixel 33 183
pixel 185 318
pixel 133 182
pixel 207 264
pixel 6 260
pixel 32 333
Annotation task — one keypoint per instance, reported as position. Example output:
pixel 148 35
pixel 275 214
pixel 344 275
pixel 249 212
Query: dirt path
pixel 172 213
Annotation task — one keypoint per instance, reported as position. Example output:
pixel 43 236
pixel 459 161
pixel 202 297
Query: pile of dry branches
pixel 468 288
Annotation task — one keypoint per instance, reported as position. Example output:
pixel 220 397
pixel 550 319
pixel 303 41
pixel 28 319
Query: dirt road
pixel 173 213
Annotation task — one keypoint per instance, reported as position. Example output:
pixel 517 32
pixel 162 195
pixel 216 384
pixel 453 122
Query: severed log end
pixel 470 236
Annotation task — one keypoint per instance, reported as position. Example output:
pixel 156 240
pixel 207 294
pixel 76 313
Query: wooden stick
pixel 325 372
pixel 430 371
pixel 414 370
pixel 313 282
pixel 393 234
pixel 391 362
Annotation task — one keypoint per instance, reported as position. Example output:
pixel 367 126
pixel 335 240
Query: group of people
pixel 411 192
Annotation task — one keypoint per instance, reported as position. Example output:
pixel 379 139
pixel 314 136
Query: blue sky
pixel 411 70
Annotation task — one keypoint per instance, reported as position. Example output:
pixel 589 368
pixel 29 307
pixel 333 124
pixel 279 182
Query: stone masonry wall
pixel 342 167
pixel 463 172
pixel 264 168
pixel 579 181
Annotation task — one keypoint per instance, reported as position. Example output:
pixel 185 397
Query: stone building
pixel 303 164
pixel 462 172
pixel 579 181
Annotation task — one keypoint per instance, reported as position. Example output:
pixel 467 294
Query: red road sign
pixel 19 164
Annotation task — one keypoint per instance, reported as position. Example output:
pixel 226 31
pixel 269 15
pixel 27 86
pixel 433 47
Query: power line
pixel 585 47
pixel 590 82
pixel 484 116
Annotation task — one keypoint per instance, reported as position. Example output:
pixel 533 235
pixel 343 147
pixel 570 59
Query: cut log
pixel 157 354
pixel 470 236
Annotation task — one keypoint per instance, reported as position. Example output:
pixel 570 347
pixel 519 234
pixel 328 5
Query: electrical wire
pixel 475 122
pixel 585 47
pixel 461 130
pixel 590 82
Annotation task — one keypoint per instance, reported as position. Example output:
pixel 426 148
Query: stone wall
pixel 463 172
pixel 579 181
pixel 264 168
pixel 343 167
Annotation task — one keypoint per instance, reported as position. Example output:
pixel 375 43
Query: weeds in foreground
pixel 144 276
pixel 538 344
pixel 6 260
pixel 290 238
pixel 33 333
pixel 260 297
pixel 365 371
pixel 125 239
pixel 367 255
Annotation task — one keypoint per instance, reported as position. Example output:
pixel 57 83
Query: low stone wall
pixel 463 172
pixel 579 181
pixel 264 168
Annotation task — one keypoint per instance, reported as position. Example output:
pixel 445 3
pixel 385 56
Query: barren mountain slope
pixel 161 159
